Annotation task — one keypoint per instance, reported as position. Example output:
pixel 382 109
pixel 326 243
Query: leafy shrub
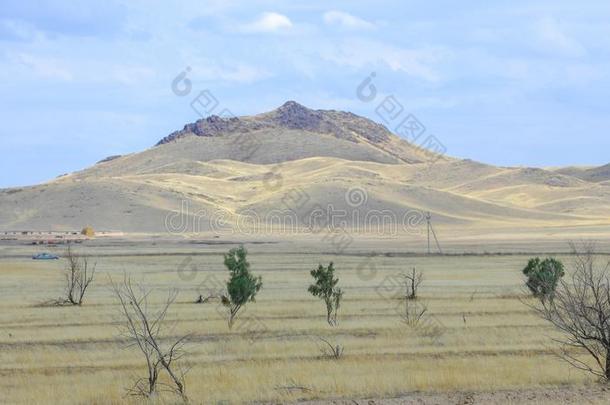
pixel 325 287
pixel 242 286
pixel 543 276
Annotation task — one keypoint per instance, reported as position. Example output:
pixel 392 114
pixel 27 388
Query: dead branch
pixel 414 312
pixel 291 386
pixel 79 275
pixel 144 327
pixel 331 351
pixel 412 282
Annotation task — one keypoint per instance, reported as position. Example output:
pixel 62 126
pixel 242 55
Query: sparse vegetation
pixel 144 328
pixel 412 282
pixel 543 276
pixel 580 310
pixel 414 312
pixel 81 359
pixel 242 286
pixel 325 288
pixel 79 274
pixel 329 350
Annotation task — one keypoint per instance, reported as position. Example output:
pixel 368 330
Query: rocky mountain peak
pixel 293 115
pixel 292 106
pixel 290 115
pixel 293 111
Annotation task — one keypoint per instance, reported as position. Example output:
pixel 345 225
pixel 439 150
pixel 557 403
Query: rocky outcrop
pixel 291 115
pixel 109 158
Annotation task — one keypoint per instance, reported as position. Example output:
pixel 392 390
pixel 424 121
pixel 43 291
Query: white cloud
pixel 345 20
pixel 417 63
pixel 17 30
pixel 209 70
pixel 48 68
pixel 552 36
pixel 130 75
pixel 269 22
pixel 33 67
pixel 243 74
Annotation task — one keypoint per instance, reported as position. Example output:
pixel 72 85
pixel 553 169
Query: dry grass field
pixel 477 336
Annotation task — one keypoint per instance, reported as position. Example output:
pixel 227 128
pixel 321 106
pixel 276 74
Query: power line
pixel 431 230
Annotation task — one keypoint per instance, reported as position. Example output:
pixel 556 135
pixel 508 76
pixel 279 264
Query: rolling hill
pixel 222 173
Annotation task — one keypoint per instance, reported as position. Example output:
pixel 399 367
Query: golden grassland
pixel 478 335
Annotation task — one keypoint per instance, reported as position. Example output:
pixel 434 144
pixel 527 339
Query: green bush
pixel 242 286
pixel 543 276
pixel 325 287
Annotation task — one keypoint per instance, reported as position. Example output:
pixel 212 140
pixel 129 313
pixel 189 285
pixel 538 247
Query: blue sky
pixel 504 82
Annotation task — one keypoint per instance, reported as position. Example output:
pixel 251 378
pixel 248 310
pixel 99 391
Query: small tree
pixel 543 276
pixel 580 310
pixel 79 274
pixel 143 328
pixel 242 286
pixel 412 282
pixel 325 288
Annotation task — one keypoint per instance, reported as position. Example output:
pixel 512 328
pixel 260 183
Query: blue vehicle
pixel 45 256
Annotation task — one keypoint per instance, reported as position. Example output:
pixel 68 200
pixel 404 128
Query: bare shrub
pixel 144 328
pixel 292 386
pixel 223 299
pixel 329 350
pixel 412 282
pixel 580 310
pixel 79 275
pixel 414 312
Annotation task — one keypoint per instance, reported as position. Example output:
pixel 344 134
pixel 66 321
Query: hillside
pixel 594 174
pixel 221 173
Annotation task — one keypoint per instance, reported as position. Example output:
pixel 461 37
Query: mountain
pixel 220 173
pixel 300 132
pixel 594 174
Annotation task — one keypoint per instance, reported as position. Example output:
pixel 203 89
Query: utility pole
pixel 431 229
pixel 428 217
